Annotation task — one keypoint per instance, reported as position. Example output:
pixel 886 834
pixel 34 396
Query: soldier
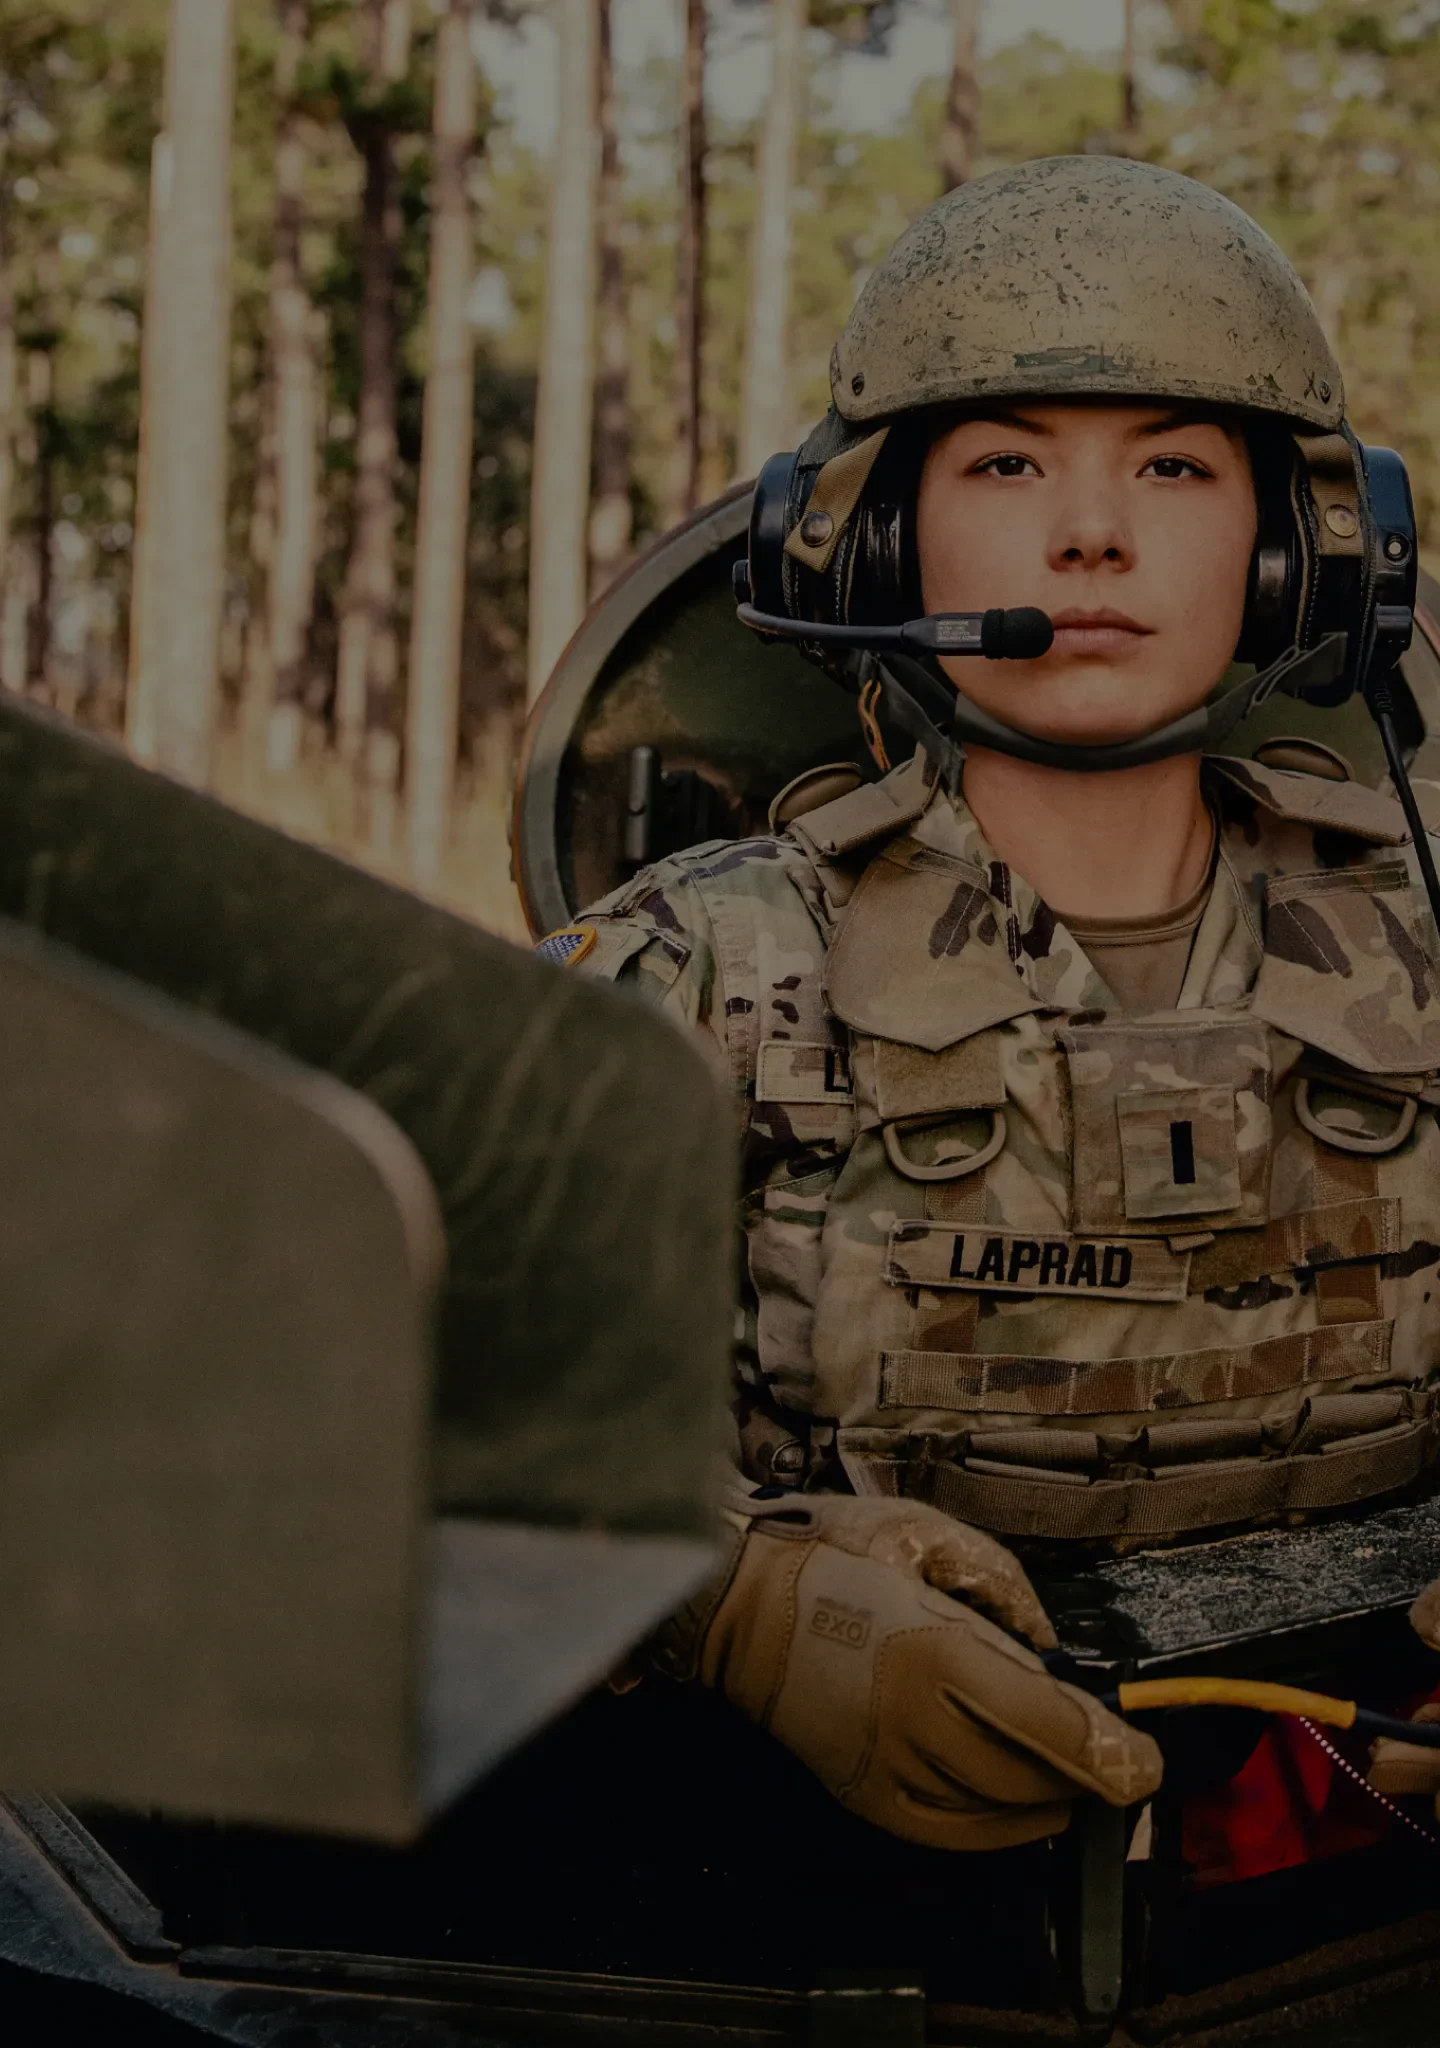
pixel 1089 1192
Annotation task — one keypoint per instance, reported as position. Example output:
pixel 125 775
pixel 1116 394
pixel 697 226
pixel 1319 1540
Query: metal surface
pixel 218 1270
pixel 1228 1603
pixel 661 662
pixel 519 1621
pixel 583 1324
pixel 80 1940
pixel 273 1294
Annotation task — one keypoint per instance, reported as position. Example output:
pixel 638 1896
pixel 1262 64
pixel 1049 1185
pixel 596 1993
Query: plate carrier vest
pixel 1083 1275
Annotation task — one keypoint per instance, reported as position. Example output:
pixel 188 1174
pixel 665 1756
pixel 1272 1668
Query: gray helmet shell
pixel 1079 275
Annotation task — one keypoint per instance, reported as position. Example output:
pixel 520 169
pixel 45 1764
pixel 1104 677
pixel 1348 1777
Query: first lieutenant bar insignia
pixel 571 943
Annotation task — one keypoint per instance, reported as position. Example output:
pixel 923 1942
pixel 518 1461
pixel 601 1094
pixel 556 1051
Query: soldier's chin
pixel 1094 718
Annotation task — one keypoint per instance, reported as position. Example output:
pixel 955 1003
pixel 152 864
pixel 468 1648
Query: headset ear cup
pixel 878 594
pixel 773 511
pixel 1277 580
pixel 1269 604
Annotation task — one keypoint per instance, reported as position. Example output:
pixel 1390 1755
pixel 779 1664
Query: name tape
pixel 1015 1262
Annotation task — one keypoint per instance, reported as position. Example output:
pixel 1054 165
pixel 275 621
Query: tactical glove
pixel 1404 1767
pixel 870 1637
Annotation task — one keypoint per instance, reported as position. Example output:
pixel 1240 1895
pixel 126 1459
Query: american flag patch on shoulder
pixel 571 943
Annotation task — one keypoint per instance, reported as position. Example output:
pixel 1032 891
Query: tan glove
pixel 1400 1768
pixel 856 1632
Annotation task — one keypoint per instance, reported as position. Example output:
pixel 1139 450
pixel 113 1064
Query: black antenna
pixel 1382 710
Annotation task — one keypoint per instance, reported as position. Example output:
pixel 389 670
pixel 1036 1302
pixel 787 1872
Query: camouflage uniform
pixel 1060 1271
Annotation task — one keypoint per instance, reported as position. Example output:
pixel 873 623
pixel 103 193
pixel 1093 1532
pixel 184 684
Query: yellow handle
pixel 1236 1692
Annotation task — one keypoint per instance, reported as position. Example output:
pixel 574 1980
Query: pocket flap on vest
pixel 1344 969
pixel 921 957
pixel 912 1082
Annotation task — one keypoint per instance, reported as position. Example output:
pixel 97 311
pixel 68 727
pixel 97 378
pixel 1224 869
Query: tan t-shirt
pixel 1143 959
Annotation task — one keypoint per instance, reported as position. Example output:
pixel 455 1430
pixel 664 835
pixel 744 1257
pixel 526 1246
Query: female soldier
pixel 1089 1195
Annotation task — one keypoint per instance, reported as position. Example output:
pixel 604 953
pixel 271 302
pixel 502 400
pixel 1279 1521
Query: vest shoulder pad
pixel 876 810
pixel 1371 815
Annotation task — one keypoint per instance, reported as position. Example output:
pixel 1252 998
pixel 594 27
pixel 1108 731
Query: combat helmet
pixel 1083 276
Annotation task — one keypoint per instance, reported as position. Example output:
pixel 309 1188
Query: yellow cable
pixel 1236 1692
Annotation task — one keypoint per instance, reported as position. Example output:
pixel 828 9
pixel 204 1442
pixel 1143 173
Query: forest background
pixel 659 266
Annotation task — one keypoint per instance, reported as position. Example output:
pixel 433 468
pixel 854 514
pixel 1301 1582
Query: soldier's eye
pixel 1172 466
pixel 1006 465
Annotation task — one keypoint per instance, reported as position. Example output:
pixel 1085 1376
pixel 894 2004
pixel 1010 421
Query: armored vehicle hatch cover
pixel 366 1346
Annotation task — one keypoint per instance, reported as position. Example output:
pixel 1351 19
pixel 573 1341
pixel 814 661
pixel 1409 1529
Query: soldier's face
pixel 1131 525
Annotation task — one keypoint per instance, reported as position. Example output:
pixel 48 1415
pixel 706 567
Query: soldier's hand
pixel 876 1639
pixel 1404 1767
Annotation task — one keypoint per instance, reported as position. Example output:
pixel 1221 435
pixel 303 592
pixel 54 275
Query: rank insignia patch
pixel 571 943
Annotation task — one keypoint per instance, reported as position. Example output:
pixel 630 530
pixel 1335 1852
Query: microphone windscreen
pixel 1019 635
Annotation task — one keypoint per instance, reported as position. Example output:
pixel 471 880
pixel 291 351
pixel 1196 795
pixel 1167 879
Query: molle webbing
pixel 1012 1384
pixel 1366 1228
pixel 939 1318
pixel 1205 1496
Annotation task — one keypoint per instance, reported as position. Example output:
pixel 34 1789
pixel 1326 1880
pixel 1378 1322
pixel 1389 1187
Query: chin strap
pixel 937 714
pixel 938 717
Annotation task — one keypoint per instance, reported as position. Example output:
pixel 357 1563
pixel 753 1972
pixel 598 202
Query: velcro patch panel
pixel 790 1072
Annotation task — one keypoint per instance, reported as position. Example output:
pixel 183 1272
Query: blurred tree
pixel 44 426
pixel 962 103
pixel 1320 121
pixel 72 76
pixel 560 490
pixel 690 279
pixel 9 391
pixel 437 613
pixel 1129 87
pixel 174 697
pixel 379 106
pixel 291 425
pixel 766 418
pixel 610 513
pixel 1319 118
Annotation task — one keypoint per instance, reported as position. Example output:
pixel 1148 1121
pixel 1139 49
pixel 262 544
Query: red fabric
pixel 1289 1804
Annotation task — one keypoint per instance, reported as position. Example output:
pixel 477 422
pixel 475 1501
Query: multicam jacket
pixel 1062 1271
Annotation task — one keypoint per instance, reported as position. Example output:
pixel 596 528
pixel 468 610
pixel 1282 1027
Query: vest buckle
pixel 947 1169
pixel 1355 1141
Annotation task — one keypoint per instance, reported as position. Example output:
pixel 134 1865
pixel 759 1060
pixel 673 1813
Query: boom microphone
pixel 1019 635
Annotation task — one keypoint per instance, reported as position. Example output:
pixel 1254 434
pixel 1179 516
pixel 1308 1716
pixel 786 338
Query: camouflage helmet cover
pixel 1085 275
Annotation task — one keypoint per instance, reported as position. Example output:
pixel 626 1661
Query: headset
pixel 1329 610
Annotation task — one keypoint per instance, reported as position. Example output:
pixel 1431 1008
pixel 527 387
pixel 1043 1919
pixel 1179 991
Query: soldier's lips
pixel 1102 632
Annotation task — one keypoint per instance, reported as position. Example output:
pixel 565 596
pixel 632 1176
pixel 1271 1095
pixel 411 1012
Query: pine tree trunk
pixel 366 688
pixel 765 418
pixel 690 282
pixel 610 520
pixel 294 398
pixel 1129 88
pixel 8 390
pixel 173 701
pixel 142 682
pixel 560 480
pixel 40 373
pixel 962 102
pixel 443 531
pixel 257 683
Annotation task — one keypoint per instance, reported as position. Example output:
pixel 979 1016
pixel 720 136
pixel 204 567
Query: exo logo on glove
pixel 838 1622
